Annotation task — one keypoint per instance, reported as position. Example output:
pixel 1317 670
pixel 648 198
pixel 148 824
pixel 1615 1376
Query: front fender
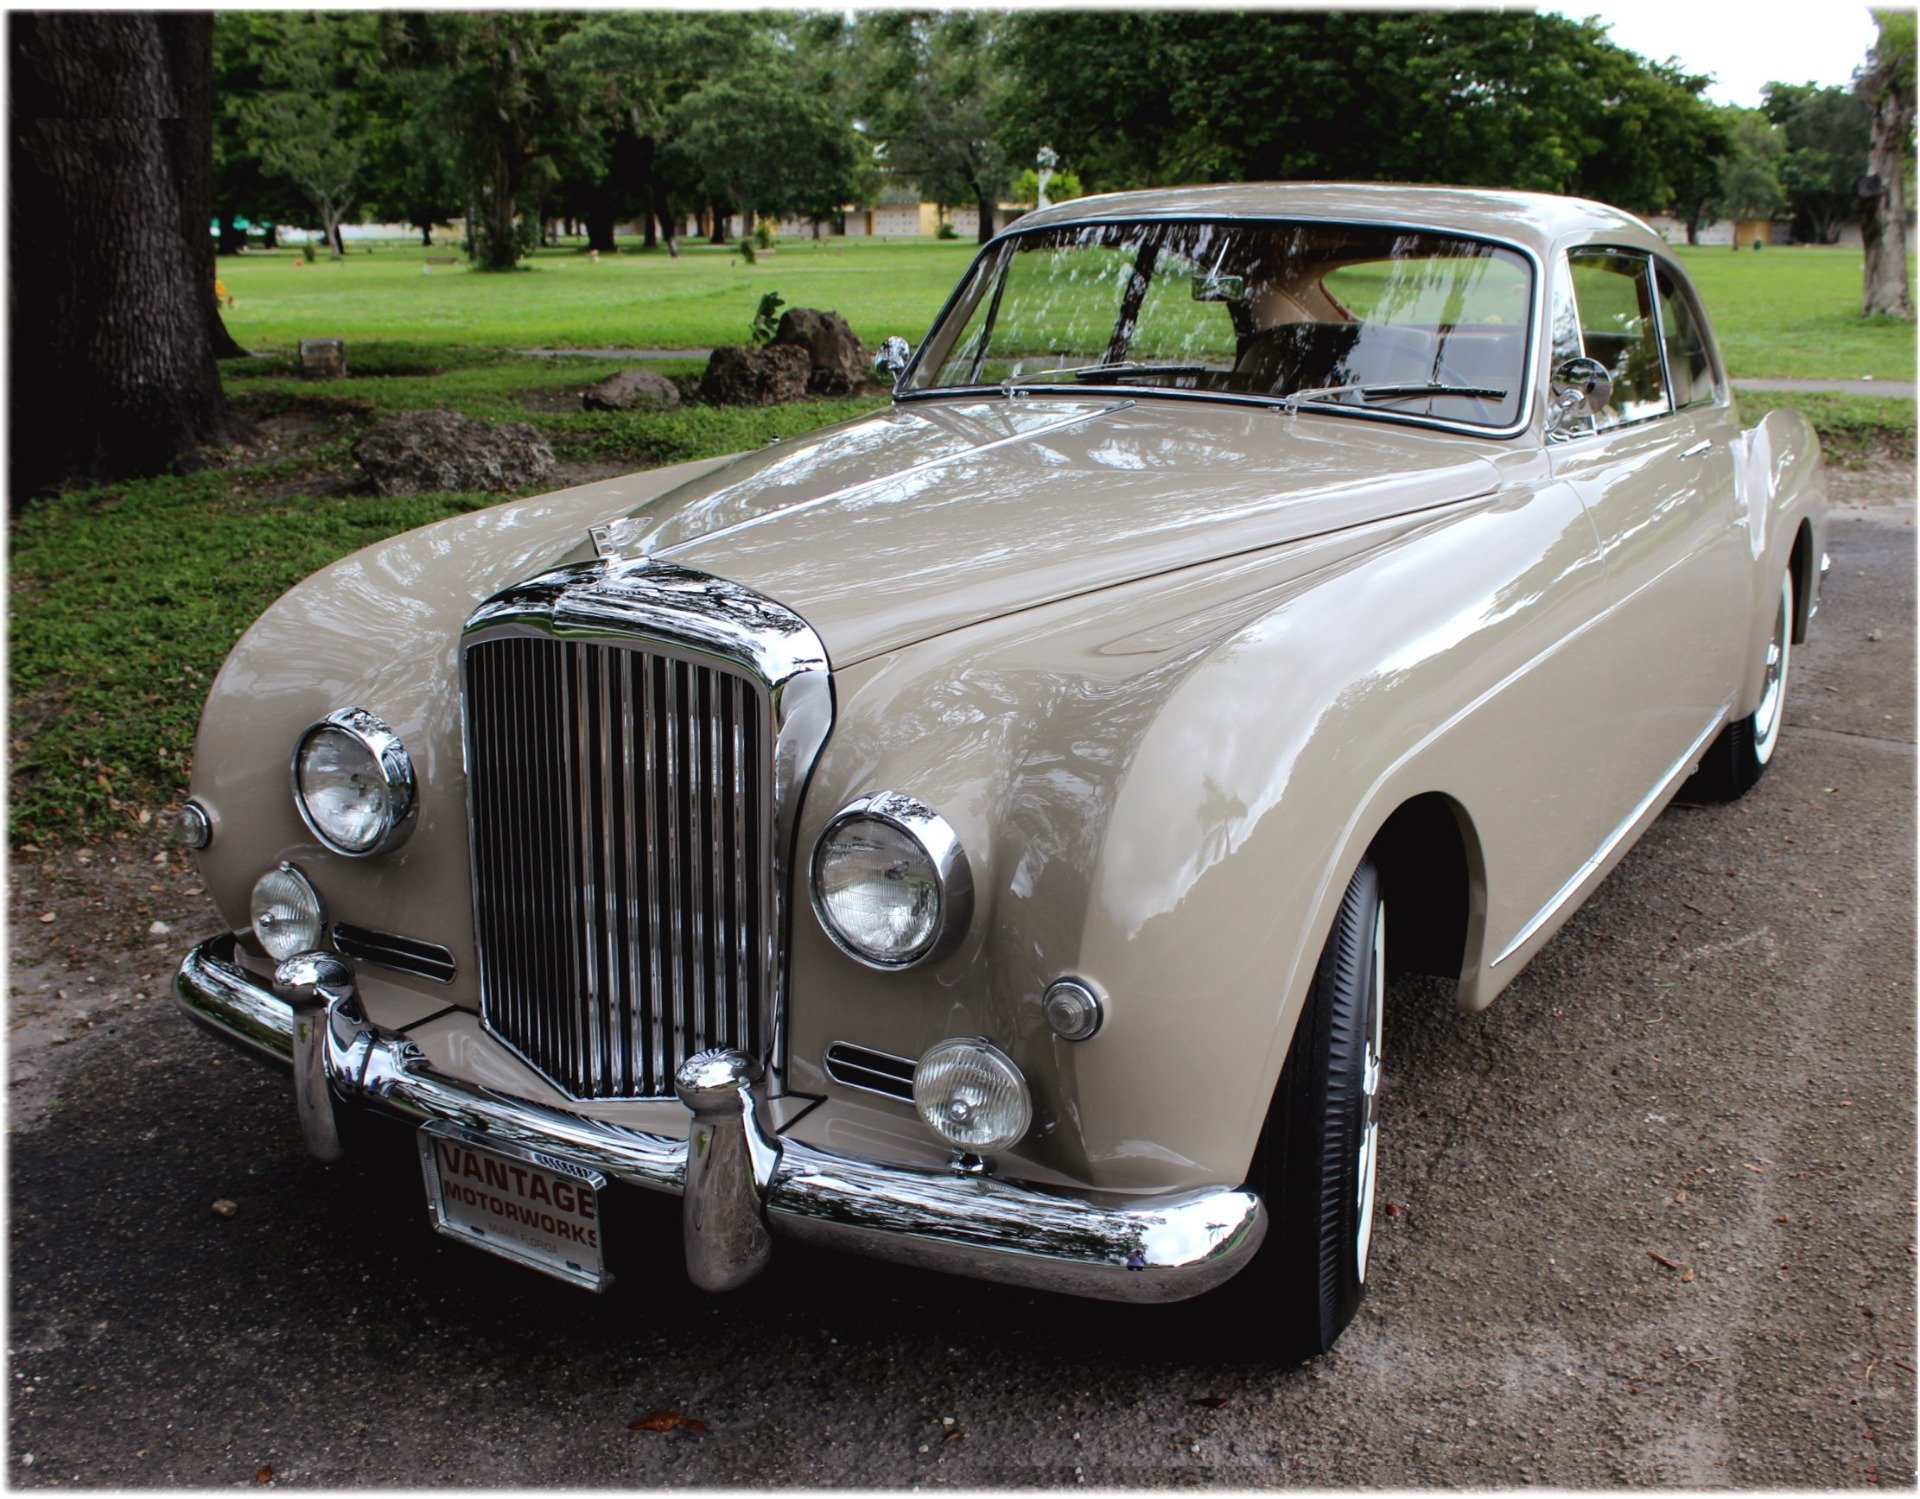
pixel 1784 485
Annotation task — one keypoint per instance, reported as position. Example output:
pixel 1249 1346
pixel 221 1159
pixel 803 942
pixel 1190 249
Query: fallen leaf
pixel 1680 1196
pixel 1393 1210
pixel 1686 1275
pixel 953 1435
pixel 46 916
pixel 226 1207
pixel 1783 1218
pixel 265 1475
pixel 1660 1259
pixel 668 1421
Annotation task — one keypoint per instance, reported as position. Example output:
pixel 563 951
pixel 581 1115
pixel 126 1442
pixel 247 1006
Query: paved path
pixel 1713 1064
pixel 617 353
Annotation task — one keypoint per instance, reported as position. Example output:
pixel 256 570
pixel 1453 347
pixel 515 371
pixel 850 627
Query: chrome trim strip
pixel 1676 772
pixel 877 1072
pixel 1105 1245
pixel 427 960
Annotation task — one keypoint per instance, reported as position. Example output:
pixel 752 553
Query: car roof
pixel 1538 221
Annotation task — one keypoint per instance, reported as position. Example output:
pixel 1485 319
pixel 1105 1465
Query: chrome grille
pixel 619 802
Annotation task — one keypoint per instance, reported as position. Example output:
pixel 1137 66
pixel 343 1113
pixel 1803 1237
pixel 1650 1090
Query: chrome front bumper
pixel 739 1183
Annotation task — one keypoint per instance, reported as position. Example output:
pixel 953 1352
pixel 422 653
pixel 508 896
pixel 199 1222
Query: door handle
pixel 1697 449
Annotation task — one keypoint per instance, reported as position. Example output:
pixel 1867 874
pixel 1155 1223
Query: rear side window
pixel 1688 366
pixel 1613 299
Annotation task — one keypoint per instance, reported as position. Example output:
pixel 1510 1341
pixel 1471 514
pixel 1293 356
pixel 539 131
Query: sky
pixel 1745 44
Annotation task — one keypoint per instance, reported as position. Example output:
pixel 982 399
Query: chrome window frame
pixel 662 607
pixel 1522 423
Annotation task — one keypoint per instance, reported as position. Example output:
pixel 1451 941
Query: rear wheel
pixel 1318 1159
pixel 1739 757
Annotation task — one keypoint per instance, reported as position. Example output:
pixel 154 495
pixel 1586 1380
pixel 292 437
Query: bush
pixel 946 230
pixel 747 251
pixel 306 251
pixel 763 234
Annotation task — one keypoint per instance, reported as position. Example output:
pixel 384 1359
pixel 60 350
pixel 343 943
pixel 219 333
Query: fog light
pixel 192 827
pixel 287 915
pixel 972 1096
pixel 1072 1009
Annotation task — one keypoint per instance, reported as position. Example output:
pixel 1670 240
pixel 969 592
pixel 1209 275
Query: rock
pixel 323 358
pixel 755 377
pixel 419 451
pixel 632 390
pixel 226 1207
pixel 837 359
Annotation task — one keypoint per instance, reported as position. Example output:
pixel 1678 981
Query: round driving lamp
pixel 1072 1010
pixel 971 1095
pixel 891 884
pixel 353 784
pixel 288 917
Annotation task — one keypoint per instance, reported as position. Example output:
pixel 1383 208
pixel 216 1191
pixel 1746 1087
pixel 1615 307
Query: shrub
pixel 946 230
pixel 747 251
pixel 306 251
pixel 763 234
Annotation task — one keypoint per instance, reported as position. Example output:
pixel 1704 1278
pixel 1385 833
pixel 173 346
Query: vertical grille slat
pixel 621 857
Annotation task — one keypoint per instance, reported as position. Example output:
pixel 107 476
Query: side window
pixel 1613 296
pixel 1687 363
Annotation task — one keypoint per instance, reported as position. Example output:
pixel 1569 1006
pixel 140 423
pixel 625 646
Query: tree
pixel 309 123
pixel 244 188
pixel 1750 171
pixel 1828 132
pixel 189 44
pixel 765 146
pixel 1887 85
pixel 109 293
pixel 938 95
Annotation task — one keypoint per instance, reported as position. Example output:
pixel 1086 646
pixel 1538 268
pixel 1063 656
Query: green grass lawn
pixel 1794 311
pixel 1784 311
pixel 564 300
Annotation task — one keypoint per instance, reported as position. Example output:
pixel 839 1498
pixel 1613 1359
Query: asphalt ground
pixel 1650 1220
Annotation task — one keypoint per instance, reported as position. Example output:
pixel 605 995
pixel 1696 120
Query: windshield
pixel 1329 316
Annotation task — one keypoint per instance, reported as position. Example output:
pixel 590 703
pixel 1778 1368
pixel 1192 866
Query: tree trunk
pixel 426 235
pixel 1884 225
pixel 232 239
pixel 336 246
pixel 600 231
pixel 985 203
pixel 499 250
pixel 650 202
pixel 270 237
pixel 1693 230
pixel 110 299
pixel 662 210
pixel 719 235
pixel 188 40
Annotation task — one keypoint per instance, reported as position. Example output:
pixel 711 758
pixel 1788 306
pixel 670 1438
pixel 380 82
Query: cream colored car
pixel 977 834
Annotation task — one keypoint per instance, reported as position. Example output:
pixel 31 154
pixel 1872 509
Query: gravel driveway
pixel 1651 1220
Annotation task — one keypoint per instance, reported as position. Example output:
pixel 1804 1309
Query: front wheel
pixel 1739 757
pixel 1319 1150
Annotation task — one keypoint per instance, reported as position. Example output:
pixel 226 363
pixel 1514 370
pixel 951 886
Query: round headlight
pixel 972 1096
pixel 287 915
pixel 891 884
pixel 353 783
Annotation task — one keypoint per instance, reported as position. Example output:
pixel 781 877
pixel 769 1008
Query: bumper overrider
pixel 740 1185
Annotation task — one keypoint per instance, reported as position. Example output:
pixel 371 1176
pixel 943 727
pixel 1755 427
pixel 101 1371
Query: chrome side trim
pixel 870 1071
pixel 1564 896
pixel 1104 1245
pixel 427 960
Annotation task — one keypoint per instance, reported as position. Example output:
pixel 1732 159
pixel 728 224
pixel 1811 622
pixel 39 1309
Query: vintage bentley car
pixel 977 834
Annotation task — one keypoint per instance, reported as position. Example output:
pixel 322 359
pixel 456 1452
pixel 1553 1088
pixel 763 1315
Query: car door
pixel 1655 470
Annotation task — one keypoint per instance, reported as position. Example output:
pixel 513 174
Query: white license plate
pixel 520 1203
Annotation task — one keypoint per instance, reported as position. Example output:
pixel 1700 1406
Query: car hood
pixel 937 514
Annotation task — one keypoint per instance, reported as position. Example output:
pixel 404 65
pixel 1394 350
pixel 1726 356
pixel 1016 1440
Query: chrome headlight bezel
pixel 393 765
pixel 938 844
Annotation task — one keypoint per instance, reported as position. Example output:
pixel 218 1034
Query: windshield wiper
pixel 1329 395
pixel 1091 373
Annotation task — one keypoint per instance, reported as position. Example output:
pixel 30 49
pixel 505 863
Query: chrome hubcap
pixel 1370 1095
pixel 1773 687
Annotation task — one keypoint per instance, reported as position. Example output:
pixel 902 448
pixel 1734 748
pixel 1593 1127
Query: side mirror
pixel 1581 388
pixel 892 358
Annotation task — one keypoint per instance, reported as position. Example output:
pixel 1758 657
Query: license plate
pixel 520 1203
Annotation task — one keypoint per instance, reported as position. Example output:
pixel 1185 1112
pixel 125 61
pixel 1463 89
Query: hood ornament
pixel 622 537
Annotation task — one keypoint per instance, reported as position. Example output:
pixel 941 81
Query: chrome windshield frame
pixel 1536 316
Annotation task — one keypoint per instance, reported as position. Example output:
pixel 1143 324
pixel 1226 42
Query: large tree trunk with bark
pixel 188 39
pixel 599 222
pixel 1884 225
pixel 112 349
pixel 985 205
